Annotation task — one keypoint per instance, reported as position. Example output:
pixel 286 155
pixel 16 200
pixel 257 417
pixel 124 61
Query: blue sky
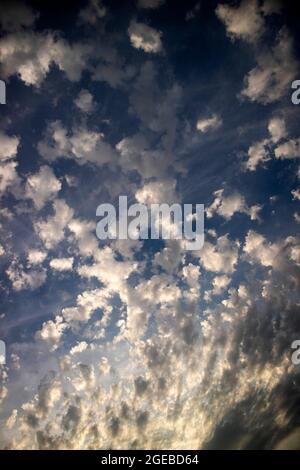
pixel 132 344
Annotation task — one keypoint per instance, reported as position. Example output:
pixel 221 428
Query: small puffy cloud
pixel 36 257
pixel 2 250
pixel 30 56
pixel 220 283
pixel 84 101
pixel 15 15
pixel 52 332
pixel 51 231
pixel 8 175
pixel 150 4
pixel 258 154
pixel 144 37
pixel 157 192
pixel 42 186
pixel 297 217
pixel 80 347
pixel 274 73
pixel 94 11
pixel 296 194
pixel 288 150
pixel 277 129
pixel 242 22
pixel 8 146
pixel 227 206
pixel 220 257
pixel 22 279
pixel 80 144
pixel 259 250
pixel 62 264
pixel 211 123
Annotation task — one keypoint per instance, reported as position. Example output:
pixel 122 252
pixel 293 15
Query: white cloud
pixel 62 264
pixel 242 22
pixel 36 257
pixel 84 101
pixel 296 194
pixel 260 250
pixel 220 257
pixel 220 283
pixel 274 73
pixel 8 146
pixel 211 123
pixel 227 206
pixel 94 11
pixel 288 150
pixel 8 175
pixel 51 231
pixel 42 186
pixel 30 56
pixel 21 279
pixel 80 144
pixel 52 332
pixel 144 37
pixel 277 129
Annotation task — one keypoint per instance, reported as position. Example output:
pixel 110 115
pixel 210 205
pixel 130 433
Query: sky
pixel 141 344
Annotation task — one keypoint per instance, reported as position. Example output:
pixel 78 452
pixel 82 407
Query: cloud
pixel 80 144
pixel 42 186
pixel 51 332
pixel 211 123
pixel 227 206
pixel 94 11
pixel 277 129
pixel 220 257
pixel 288 150
pixel 144 37
pixel 8 146
pixel 272 77
pixel 25 279
pixel 8 175
pixel 84 101
pixel 51 231
pixel 243 22
pixel 62 264
pixel 30 55
pixel 260 152
pixel 36 257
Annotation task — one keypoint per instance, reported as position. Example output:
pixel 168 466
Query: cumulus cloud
pixel 8 146
pixel 144 37
pixel 227 206
pixel 25 279
pixel 30 55
pixel 80 144
pixel 62 264
pixel 36 257
pixel 211 123
pixel 242 22
pixel 288 150
pixel 52 230
pixel 42 186
pixel 221 256
pixel 84 101
pixel 276 68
